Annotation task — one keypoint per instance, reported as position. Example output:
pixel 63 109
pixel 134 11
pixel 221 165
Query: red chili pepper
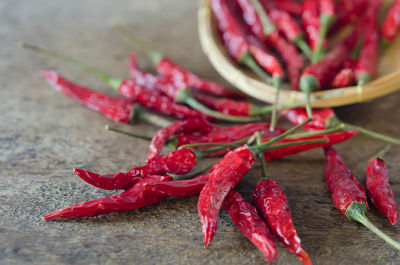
pixel 136 197
pixel 245 216
pixel 348 194
pixel 391 23
pixel 141 77
pixel 198 125
pixel 378 188
pixel 290 6
pixel 310 21
pixel 177 162
pixel 271 203
pixel 368 62
pixel 181 76
pixel 225 105
pixel 346 76
pixel 349 12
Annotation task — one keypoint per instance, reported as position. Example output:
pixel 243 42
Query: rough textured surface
pixel 44 135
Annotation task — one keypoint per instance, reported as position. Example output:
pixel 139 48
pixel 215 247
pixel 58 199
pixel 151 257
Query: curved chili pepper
pixel 310 21
pixel 225 175
pixel 177 162
pixel 391 23
pixel 290 6
pixel 271 203
pixel 197 125
pixel 141 77
pixel 136 197
pixel 347 193
pixel 245 216
pixel 379 190
pixel 368 62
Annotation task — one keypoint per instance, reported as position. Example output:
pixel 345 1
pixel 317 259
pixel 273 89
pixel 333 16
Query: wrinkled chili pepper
pixel 368 61
pixel 290 28
pixel 347 193
pixel 135 197
pixel 176 162
pixel 117 109
pixel 245 216
pixel 167 67
pixel 290 6
pixel 198 125
pixel 391 23
pixel 346 76
pixel 310 21
pixel 378 187
pixel 326 118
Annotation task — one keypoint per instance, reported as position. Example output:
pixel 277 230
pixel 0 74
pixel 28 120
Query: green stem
pixel 372 134
pixel 268 26
pixel 277 81
pixel 257 149
pixel 185 96
pixel 263 162
pixel 154 55
pixel 248 60
pixel 356 212
pixel 109 128
pixel 383 152
pixel 315 133
pixel 303 46
pixel 139 113
pixel 112 82
pixel 308 105
pixel 312 141
pixel 325 24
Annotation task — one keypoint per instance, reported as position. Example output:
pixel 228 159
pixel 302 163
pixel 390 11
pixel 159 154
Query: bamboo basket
pixel 388 79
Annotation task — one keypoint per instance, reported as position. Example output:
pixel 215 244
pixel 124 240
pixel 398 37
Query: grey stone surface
pixel 44 135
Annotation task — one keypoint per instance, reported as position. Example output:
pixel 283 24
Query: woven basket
pixel 388 72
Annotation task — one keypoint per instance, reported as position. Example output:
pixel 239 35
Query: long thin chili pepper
pixel 167 67
pixel 198 125
pixel 378 187
pixel 327 18
pixel 368 62
pixel 326 118
pixel 117 109
pixel 290 28
pixel 310 21
pixel 347 193
pixel 176 162
pixel 245 216
pixel 135 197
pixel 290 6
pixel 224 176
pixel 391 23
pixel 178 93
pixel 234 35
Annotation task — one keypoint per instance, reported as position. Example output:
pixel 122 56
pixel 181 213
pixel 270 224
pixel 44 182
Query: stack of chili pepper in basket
pixel 251 31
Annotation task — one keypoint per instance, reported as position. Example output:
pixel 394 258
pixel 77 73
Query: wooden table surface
pixel 44 135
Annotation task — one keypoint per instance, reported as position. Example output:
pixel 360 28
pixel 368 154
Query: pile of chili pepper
pixel 268 37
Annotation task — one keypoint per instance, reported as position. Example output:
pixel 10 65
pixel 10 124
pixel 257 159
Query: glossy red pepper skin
pixel 327 7
pixel 225 105
pixel 245 216
pixel 267 60
pixel 198 125
pixel 379 190
pixel 176 162
pixel 333 138
pixel 290 6
pixel 117 109
pixel 224 176
pixel 135 197
pixel 349 12
pixel 391 23
pixel 229 134
pixel 322 118
pixel 310 21
pixel 343 186
pixel 271 203
pixel 346 76
pixel 156 101
pixel 286 23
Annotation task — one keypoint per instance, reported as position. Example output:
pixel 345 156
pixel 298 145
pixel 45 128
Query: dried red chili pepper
pixel 245 216
pixel 368 62
pixel 378 187
pixel 310 21
pixel 348 194
pixel 290 6
pixel 391 23
pixel 346 76
pixel 135 197
pixel 129 87
pixel 117 109
pixel 290 28
pixel 167 67
pixel 198 125
pixel 326 118
pixel 177 162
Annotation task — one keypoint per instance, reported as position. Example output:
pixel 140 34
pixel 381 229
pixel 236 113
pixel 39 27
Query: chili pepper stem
pixel 326 22
pixel 303 46
pixel 263 162
pixel 109 128
pixel 308 83
pixel 185 97
pixel 356 212
pixel 276 81
pixel 383 152
pixel 268 26
pixel 154 55
pixel 139 113
pixel 372 134
pixel 112 82
pixel 248 60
